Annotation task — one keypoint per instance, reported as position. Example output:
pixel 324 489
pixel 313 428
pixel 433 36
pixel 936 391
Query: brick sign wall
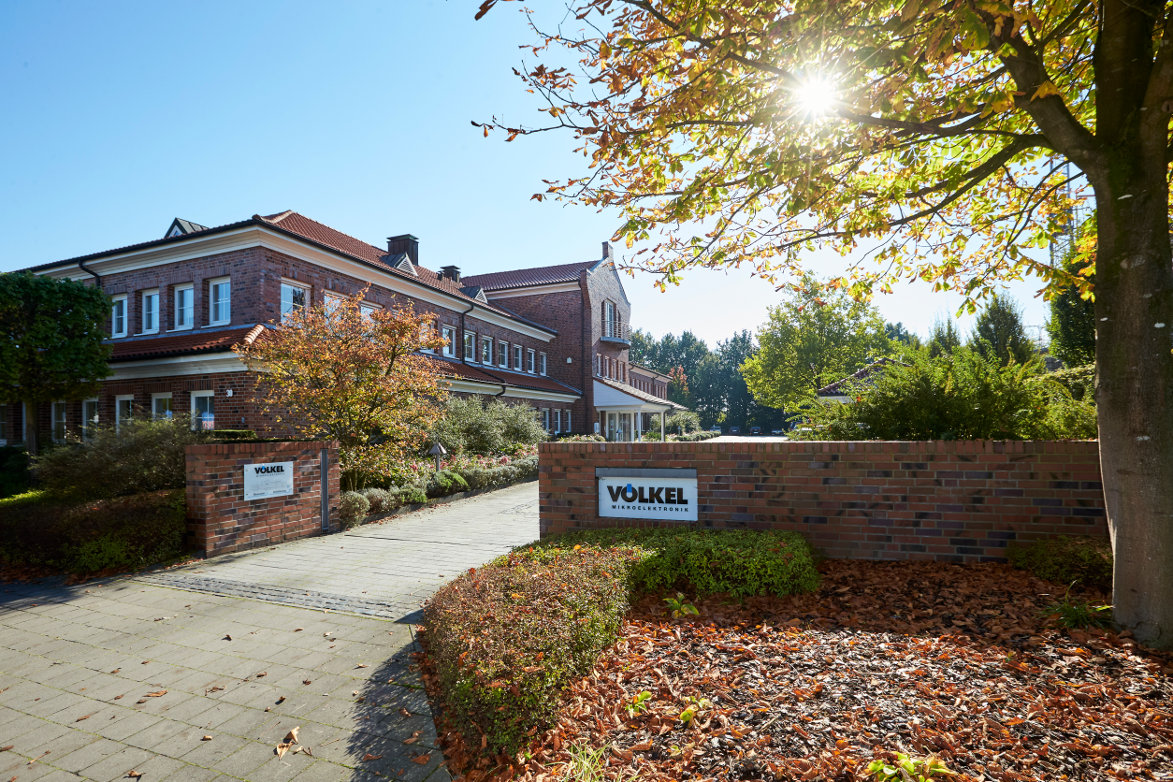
pixel 219 518
pixel 949 501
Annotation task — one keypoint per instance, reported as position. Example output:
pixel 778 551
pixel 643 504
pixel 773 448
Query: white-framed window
pixel 608 319
pixel 150 313
pixel 566 421
pixel 184 306
pixel 367 310
pixel 517 357
pixel 161 405
pixel 427 331
pixel 541 363
pixel 546 418
pixel 4 412
pixel 219 301
pixel 532 364
pixel 294 296
pixel 203 410
pixel 503 354
pixel 89 417
pixel 123 410
pixel 557 420
pixel 331 301
pixel 118 316
pixel 487 350
pixel 470 346
pixel 449 335
pixel 60 421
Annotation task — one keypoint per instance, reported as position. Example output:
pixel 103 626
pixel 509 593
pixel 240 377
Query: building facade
pixel 180 303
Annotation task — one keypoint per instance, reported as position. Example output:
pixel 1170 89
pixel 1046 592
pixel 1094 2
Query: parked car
pixel 735 430
pixel 716 429
pixel 755 430
pixel 777 431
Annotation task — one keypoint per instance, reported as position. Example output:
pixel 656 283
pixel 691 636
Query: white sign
pixel 672 499
pixel 274 479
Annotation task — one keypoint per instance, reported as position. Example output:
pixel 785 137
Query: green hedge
pixel 123 533
pixel 14 471
pixel 505 640
pixel 1066 560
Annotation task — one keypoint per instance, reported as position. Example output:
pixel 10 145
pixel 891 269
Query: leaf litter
pixel 957 661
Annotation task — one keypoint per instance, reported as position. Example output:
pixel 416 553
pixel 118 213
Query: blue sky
pixel 120 116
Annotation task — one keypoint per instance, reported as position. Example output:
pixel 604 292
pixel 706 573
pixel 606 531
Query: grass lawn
pixel 963 662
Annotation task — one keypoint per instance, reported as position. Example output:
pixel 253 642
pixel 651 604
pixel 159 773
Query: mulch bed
pixel 923 658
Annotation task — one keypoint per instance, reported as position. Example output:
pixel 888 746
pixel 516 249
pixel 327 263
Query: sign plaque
pixel 667 495
pixel 274 479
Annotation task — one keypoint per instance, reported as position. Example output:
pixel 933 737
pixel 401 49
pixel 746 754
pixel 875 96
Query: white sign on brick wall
pixel 274 479
pixel 647 494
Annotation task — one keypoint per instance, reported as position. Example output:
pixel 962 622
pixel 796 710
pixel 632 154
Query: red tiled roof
pixel 524 278
pixel 300 225
pixel 182 344
pixel 516 379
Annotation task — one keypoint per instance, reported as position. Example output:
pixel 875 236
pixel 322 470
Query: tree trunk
pixel 1134 387
pixel 32 435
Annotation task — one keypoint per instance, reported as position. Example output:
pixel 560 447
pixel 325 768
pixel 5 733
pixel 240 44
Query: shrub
pixel 739 563
pixel 471 425
pixel 1066 560
pixel 446 482
pixel 380 500
pixel 85 537
pixel 230 435
pixel 584 438
pixel 352 509
pixel 507 639
pixel 144 455
pixel 14 471
pixel 411 495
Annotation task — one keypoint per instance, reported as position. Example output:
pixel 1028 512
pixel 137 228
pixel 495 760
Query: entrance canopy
pixel 621 408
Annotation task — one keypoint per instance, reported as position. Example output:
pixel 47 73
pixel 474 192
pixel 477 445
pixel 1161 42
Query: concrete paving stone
pixel 159 768
pixel 43 772
pixel 117 765
pixel 254 755
pixel 257 725
pixel 77 714
pixel 84 756
pixel 187 709
pixel 323 771
pixel 219 713
pixel 128 724
pixel 158 736
pixel 51 702
pixel 210 753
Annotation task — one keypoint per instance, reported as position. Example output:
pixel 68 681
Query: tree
pixel 1072 325
pixel 963 395
pixel 354 377
pixel 897 333
pixel 815 337
pixel 999 332
pixel 946 131
pixel 51 343
pixel 945 338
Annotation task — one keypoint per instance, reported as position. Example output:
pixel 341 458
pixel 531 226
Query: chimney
pixel 404 244
pixel 606 251
pixel 450 273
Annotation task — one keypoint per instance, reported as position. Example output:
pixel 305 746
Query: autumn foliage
pixel 356 377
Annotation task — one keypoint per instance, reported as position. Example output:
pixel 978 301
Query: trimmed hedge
pixel 123 533
pixel 505 640
pixel 1066 560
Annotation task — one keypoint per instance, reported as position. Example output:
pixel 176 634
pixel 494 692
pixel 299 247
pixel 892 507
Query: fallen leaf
pixel 262 674
pixel 291 736
pixel 206 738
pixel 362 665
pixel 83 717
pixel 116 670
pixel 422 759
pixel 280 700
pixel 414 738
pixel 5 749
pixel 307 681
pixel 133 774
pixel 158 694
pixel 281 749
pixel 227 638
pixel 367 758
pixel 119 697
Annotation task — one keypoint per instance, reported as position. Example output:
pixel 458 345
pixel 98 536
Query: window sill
pixel 180 328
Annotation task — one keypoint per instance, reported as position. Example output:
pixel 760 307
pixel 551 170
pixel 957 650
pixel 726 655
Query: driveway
pixel 197 673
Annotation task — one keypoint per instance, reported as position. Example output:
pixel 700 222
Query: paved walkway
pixel 198 673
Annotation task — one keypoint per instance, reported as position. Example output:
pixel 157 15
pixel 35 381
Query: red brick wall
pixel 220 520
pixel 947 501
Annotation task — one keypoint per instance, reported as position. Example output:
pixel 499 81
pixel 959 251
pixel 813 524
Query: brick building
pixel 555 338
